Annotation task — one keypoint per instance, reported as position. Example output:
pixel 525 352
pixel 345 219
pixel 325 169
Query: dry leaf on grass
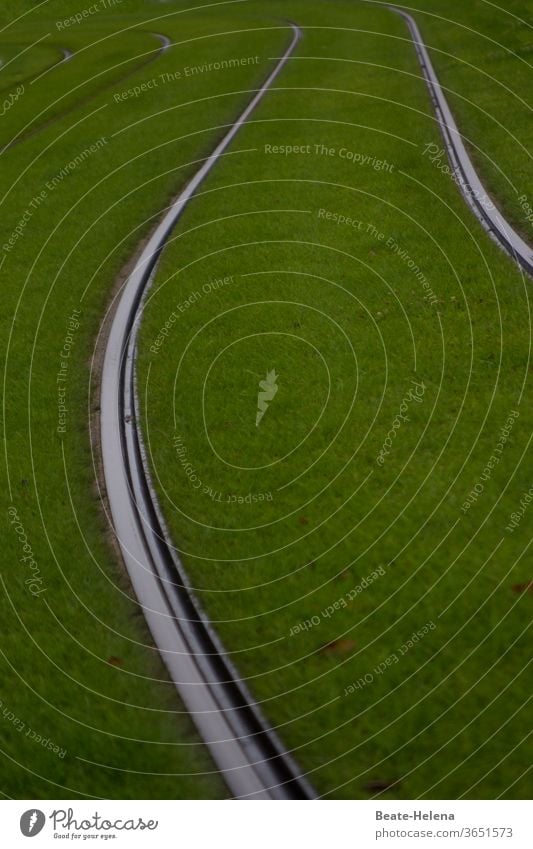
pixel 342 646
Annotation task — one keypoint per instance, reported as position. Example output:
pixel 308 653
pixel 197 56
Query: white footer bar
pixel 240 825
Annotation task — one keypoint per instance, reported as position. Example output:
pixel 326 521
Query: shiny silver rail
pixel 247 752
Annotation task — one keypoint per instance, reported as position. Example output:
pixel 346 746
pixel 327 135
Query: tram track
pixel 246 750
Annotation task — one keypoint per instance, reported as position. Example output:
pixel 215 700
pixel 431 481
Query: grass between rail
pixel 483 54
pixel 86 706
pixel 320 615
pixel 356 548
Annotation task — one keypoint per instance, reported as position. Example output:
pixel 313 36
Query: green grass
pixel 307 295
pixel 483 56
pixel 77 663
pixel 20 66
pixel 104 67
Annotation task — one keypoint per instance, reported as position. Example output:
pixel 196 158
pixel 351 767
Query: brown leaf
pixel 115 661
pixel 523 588
pixel 342 646
pixel 303 521
pixel 378 785
pixel 344 575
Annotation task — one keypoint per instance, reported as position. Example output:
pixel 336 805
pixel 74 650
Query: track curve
pixel 25 134
pixel 247 752
pixel 468 179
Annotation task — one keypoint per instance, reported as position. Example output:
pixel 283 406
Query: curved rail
pixel 25 134
pixel 469 182
pixel 246 750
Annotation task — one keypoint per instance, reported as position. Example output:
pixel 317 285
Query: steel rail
pixel 246 750
pixel 469 182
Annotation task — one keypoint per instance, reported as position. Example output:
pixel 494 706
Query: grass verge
pixel 78 667
pixel 355 548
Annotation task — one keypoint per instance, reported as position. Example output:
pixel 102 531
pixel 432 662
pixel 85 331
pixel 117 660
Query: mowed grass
pixel 317 562
pixel 78 666
pixel 20 65
pixel 104 65
pixel 483 55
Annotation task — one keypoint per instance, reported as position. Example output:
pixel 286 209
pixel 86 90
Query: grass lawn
pixel 483 56
pixel 78 666
pixel 318 543
pixel 321 540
